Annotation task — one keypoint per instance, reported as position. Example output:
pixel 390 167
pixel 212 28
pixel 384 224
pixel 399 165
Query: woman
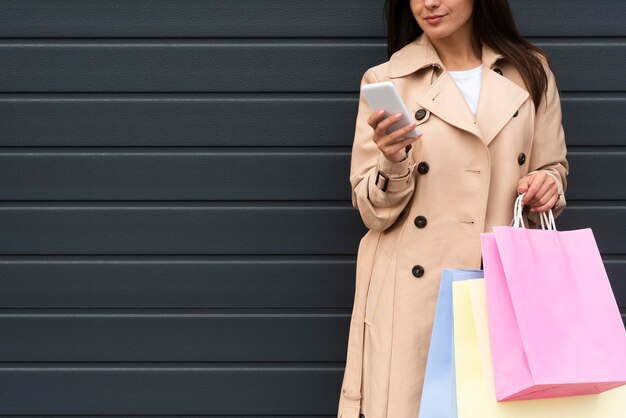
pixel 487 105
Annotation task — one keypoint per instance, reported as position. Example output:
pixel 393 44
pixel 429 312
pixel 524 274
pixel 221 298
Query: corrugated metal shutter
pixel 177 235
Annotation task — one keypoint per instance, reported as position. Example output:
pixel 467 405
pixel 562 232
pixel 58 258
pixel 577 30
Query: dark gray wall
pixel 176 230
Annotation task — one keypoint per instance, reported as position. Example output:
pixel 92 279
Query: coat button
pixel 497 70
pixel 423 167
pixel 361 416
pixel 418 271
pixel 516 113
pixel 420 221
pixel 521 159
pixel 420 114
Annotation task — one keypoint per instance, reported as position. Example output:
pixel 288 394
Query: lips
pixel 434 19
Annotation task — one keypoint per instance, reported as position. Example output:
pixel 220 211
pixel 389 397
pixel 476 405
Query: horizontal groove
pixel 597 204
pixel 596 149
pixel 233 38
pixel 593 95
pixel 175 150
pixel 180 312
pixel 175 204
pixel 238 259
pixel 217 366
pixel 381 38
pixel 228 204
pixel 614 258
pixel 233 312
pixel 149 255
pixel 173 415
pixel 193 42
pixel 179 259
pixel 241 96
pixel 213 150
pixel 179 149
pixel 260 92
pixel 268 41
pixel 169 259
pixel 256 259
pixel 178 96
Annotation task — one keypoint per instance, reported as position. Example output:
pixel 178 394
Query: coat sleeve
pixel 379 203
pixel 549 151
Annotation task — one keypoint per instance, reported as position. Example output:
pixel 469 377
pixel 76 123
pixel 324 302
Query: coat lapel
pixel 445 100
pixel 498 99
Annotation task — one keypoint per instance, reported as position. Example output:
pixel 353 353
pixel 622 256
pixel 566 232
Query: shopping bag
pixel 555 326
pixel 474 375
pixel 439 391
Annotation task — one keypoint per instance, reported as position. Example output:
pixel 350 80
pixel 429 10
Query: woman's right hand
pixel 391 145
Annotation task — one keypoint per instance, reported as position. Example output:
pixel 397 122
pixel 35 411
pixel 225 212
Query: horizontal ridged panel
pixel 200 119
pixel 224 336
pixel 177 282
pixel 257 228
pixel 137 228
pixel 593 175
pixel 590 120
pixel 232 175
pixel 192 18
pixel 279 18
pixel 184 175
pixel 189 282
pixel 250 66
pixel 175 337
pixel 182 390
pixel 270 119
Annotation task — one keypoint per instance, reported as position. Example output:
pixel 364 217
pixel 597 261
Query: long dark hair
pixel 493 26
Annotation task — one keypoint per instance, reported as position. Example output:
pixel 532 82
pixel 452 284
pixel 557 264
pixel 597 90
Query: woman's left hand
pixel 541 191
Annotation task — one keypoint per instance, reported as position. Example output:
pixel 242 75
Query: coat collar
pixel 420 53
pixel 498 99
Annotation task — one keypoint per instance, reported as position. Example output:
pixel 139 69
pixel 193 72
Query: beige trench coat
pixel 461 176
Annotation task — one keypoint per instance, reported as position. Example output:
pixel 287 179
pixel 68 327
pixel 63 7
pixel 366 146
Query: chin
pixel 439 33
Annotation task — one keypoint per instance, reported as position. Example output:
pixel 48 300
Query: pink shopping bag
pixel 554 323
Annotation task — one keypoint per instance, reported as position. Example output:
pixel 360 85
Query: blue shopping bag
pixel 439 390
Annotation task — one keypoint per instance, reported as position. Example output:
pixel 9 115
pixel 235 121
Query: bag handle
pixel 546 219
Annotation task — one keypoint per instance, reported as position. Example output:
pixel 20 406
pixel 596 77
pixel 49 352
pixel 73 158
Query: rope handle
pixel 546 219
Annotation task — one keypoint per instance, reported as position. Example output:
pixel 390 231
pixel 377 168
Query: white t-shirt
pixel 469 84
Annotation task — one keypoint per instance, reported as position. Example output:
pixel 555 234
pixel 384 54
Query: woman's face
pixel 442 18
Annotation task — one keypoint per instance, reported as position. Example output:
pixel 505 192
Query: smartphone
pixel 383 95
